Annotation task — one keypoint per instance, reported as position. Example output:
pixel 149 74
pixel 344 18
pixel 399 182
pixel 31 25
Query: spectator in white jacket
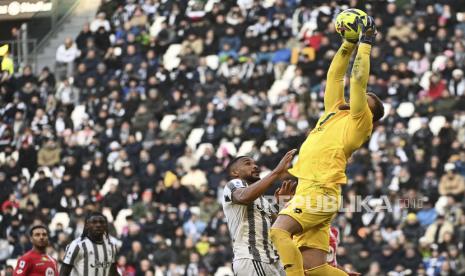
pixel 100 21
pixel 65 56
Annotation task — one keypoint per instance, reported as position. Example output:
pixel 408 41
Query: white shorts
pixel 248 267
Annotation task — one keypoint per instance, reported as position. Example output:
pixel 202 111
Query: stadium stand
pixel 157 80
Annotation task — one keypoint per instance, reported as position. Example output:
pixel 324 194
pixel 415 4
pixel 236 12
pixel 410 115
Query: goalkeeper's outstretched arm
pixel 334 92
pixel 359 79
pixel 361 68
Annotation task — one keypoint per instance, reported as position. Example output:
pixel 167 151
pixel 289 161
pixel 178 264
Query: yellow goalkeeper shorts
pixel 314 205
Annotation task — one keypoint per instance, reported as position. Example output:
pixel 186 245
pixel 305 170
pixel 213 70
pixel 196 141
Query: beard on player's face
pixel 40 243
pixel 251 175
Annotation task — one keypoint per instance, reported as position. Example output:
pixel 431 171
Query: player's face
pixel 39 238
pixel 97 226
pixel 248 170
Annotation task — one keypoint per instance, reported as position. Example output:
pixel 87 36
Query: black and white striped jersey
pixel 249 225
pixel 89 258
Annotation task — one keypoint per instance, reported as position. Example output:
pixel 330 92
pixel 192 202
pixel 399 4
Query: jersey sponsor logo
pixel 49 272
pixel 103 264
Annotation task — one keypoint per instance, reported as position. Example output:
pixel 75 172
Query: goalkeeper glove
pixel 368 30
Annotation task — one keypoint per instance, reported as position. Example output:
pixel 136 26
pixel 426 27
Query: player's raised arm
pixel 250 193
pixel 361 68
pixel 334 91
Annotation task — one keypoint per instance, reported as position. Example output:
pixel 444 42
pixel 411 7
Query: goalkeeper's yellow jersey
pixel 323 156
pixel 338 133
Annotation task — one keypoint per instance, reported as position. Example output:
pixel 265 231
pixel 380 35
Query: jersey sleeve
pixel 114 248
pixel 359 80
pixel 232 186
pixel 71 253
pixel 22 267
pixel 334 91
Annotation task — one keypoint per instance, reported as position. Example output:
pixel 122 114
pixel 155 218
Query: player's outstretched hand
pixel 368 30
pixel 285 162
pixel 286 189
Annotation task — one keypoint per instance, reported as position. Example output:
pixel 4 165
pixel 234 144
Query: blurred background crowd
pixel 148 104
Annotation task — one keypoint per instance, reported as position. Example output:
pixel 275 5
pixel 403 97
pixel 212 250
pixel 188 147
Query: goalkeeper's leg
pixel 281 235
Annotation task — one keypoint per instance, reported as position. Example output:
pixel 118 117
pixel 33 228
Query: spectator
pixel 400 30
pixel 49 154
pixel 435 232
pixel 100 21
pixel 7 63
pixel 108 127
pixel 65 56
pixel 451 184
pixel 412 228
pixel 457 83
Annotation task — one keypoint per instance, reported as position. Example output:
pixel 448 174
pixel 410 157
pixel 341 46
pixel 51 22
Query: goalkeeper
pixel 322 161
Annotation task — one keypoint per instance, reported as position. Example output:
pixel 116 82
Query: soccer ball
pixel 346 23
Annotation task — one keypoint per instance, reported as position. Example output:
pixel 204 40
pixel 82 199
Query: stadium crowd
pixel 125 126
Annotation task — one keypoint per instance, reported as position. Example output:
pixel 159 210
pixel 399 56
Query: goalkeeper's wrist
pixel 351 42
pixel 367 39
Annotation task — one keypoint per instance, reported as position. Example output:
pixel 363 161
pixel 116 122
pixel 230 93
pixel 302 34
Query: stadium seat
pixel 406 109
pixel 171 59
pixel 79 115
pixel 226 148
pixel 289 74
pixel 195 210
pixel 120 221
pixel 26 173
pixel 11 262
pixel 195 137
pixel 201 150
pixel 414 124
pixel 107 212
pixel 212 61
pixel 246 147
pixel 106 187
pixel 166 121
pixel 276 89
pixel 60 217
pixel 436 124
pixel 273 144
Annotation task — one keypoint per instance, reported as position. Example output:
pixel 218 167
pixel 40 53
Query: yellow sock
pixel 288 252
pixel 324 270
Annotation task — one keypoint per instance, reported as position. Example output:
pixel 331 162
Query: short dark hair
pixel 39 226
pixel 232 163
pixel 378 111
